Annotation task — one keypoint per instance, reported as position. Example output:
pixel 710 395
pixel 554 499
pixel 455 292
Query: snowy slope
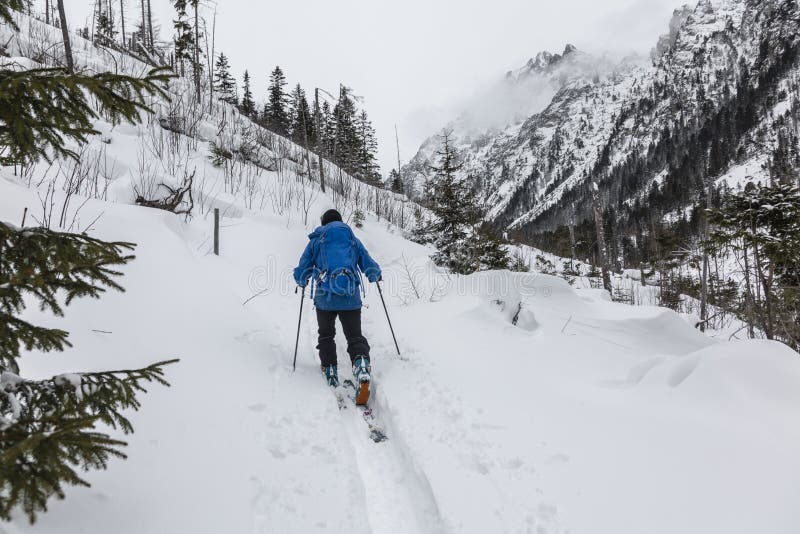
pixel 586 416
pixel 519 404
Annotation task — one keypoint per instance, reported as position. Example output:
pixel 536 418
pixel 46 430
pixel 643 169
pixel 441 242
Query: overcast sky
pixel 413 61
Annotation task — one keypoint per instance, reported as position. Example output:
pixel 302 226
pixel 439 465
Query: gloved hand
pixel 372 278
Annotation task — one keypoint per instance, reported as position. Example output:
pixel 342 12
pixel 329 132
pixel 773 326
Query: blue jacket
pixel 309 266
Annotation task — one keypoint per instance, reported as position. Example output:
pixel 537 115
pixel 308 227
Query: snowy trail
pixel 395 497
pixel 398 498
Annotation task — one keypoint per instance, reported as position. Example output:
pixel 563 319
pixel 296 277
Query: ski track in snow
pixel 396 497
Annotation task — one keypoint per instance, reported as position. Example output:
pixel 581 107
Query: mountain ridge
pixel 629 129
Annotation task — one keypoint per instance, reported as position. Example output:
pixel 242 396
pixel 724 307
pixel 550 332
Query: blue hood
pixel 318 231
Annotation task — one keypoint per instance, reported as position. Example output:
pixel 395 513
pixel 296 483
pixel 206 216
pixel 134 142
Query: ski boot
pixel 361 372
pixel 331 375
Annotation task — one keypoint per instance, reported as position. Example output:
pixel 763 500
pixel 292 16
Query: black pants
pixel 351 324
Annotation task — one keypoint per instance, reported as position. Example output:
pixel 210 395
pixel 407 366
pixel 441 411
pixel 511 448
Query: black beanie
pixel 330 216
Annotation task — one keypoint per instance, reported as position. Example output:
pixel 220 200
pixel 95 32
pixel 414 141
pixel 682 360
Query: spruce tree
pixel 302 123
pixel 275 116
pixel 224 84
pixel 184 39
pixel 105 32
pixel 345 141
pixel 248 105
pixel 47 427
pixel 396 182
pixel 366 167
pixel 7 7
pixel 328 128
pixel 454 206
pixel 41 108
pixel 489 251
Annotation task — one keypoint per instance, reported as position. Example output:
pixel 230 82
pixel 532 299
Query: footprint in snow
pixel 248 336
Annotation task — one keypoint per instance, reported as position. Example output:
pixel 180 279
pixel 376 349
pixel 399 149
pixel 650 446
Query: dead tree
pixel 174 199
pixel 65 34
pixel 602 251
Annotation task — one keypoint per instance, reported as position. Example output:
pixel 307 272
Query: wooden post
pixel 216 231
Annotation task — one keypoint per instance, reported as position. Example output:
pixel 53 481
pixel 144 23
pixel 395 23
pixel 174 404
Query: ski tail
pixel 362 393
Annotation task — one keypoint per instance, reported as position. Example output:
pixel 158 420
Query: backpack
pixel 337 260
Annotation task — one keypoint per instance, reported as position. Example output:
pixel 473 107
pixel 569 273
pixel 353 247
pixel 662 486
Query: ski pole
pixel 378 283
pixel 299 319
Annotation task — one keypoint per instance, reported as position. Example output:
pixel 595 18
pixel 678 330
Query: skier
pixel 335 258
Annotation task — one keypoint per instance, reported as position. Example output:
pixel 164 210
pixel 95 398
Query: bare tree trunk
pixel 764 282
pixel 704 276
pixel 47 11
pixel 602 254
pixel 397 142
pixel 211 59
pixel 748 295
pixel 150 27
pixel 110 20
pixel 319 140
pixel 143 36
pixel 95 15
pixel 572 247
pixel 305 145
pixel 65 34
pixel 196 50
pixel 704 293
pixel 122 22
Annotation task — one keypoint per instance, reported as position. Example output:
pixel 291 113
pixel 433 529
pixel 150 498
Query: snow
pixel 588 416
pixel 519 403
pixel 752 170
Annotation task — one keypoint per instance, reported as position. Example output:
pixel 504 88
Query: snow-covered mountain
pixel 520 403
pixel 635 124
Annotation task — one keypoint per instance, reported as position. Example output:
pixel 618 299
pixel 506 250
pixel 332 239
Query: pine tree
pixel 358 218
pixel 454 206
pixel 345 141
pixel 275 116
pixel 248 105
pixel 39 108
pixel 328 132
pixel 489 251
pixel 366 167
pixel 184 39
pixel 47 427
pixel 224 84
pixel 7 7
pixel 302 124
pixel 105 32
pixel 396 182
